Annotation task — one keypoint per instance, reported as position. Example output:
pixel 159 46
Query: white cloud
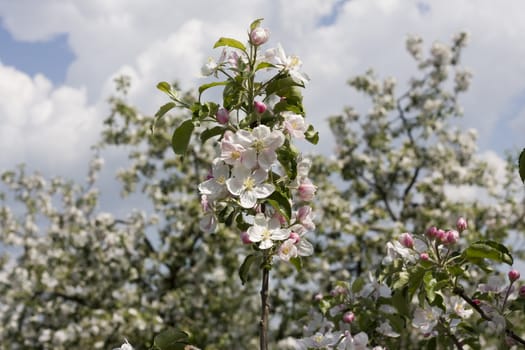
pixel 44 126
pixel 167 40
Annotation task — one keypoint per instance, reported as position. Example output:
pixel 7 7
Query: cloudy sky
pixel 58 59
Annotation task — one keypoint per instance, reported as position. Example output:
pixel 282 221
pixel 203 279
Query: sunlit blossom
pixel 294 124
pixel 266 230
pixel 291 64
pixel 249 185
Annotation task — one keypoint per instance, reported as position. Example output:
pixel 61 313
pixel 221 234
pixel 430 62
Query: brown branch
pixel 510 333
pixel 265 308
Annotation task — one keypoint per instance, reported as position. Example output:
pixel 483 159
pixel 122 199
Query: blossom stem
pixel 506 296
pixel 265 307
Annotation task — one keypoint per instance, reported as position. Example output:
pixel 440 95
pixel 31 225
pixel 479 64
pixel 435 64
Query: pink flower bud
pixel 424 256
pixel 476 301
pixel 245 238
pixel 260 107
pixel 522 292
pixel 294 237
pixel 461 224
pixel 306 190
pixel 348 317
pixel 318 297
pixel 259 36
pixel 222 116
pixel 451 237
pixel 406 240
pixel 514 275
pixel 441 235
pixel 432 232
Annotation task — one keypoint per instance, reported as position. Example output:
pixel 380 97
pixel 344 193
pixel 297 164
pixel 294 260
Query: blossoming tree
pixel 388 266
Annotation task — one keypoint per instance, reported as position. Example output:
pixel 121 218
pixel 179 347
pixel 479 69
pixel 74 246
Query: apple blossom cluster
pixel 436 245
pixel 258 180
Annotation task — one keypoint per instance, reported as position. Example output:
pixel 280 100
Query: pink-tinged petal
pixel 260 132
pixel 280 234
pixel 305 248
pixel 259 176
pixel 266 159
pixel 235 185
pixel 208 223
pixel 274 140
pixel 244 137
pixel 255 233
pixel 274 223
pixel 260 220
pixel 248 199
pixel 220 169
pixel 249 158
pixel 263 191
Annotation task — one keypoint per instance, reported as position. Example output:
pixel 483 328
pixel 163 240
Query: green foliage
pixel 231 43
pixel 171 339
pixel 181 137
pixel 488 250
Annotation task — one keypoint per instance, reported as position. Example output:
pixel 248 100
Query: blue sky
pixel 59 60
pixel 51 57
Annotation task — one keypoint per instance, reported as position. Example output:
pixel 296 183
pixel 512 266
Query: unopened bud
pixel 432 232
pixel 222 115
pixel 406 240
pixel 259 36
pixel 522 291
pixel 306 190
pixel 424 256
pixel 514 275
pixel 348 317
pixel 461 224
pixel 245 238
pixel 260 107
pixel 451 237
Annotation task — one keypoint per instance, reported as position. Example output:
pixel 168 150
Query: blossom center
pixel 258 145
pixel 221 180
pixel 249 183
pixel 266 235
pixel 235 155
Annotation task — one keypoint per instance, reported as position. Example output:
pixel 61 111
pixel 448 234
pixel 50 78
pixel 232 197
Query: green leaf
pixel 488 250
pixel 311 135
pixel 416 279
pixel 231 43
pixel 205 87
pixel 181 137
pixel 282 87
pixel 244 270
pixel 171 339
pixel 430 286
pixel 287 156
pixel 160 113
pixel 297 263
pixel 522 165
pixel 209 133
pixel 358 284
pixel 166 88
pixel 402 280
pixel 401 301
pixel 280 202
pixel 263 65
pixel 255 23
